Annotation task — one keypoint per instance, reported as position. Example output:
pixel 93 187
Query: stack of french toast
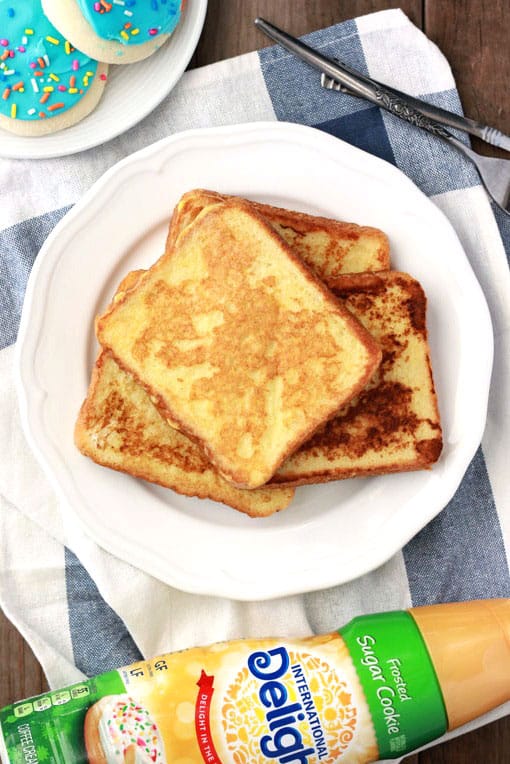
pixel 264 350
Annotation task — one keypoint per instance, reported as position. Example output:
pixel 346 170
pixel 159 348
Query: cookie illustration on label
pixel 120 731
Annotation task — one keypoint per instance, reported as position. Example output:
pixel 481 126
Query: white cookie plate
pixel 132 92
pixel 331 533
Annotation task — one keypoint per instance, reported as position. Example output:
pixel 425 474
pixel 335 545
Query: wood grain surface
pixel 473 35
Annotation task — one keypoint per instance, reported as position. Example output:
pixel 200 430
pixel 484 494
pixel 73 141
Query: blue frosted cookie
pixel 116 31
pixel 46 84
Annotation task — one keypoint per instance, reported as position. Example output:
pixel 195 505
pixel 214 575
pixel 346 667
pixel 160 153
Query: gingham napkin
pixel 83 610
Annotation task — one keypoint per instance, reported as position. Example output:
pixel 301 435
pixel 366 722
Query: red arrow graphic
pixel 202 719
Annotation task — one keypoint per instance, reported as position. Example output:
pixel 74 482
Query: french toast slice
pixel 119 427
pixel 329 247
pixel 393 425
pixel 238 343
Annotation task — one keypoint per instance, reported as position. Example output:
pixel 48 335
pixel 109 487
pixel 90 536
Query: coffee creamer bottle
pixel 378 688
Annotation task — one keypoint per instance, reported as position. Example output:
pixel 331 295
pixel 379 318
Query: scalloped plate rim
pixel 224 582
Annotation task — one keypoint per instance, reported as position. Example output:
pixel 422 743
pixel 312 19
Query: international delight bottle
pixel 378 688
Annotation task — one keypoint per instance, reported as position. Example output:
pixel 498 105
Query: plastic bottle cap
pixel 469 644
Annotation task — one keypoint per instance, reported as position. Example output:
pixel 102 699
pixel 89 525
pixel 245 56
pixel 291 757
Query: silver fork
pixel 494 173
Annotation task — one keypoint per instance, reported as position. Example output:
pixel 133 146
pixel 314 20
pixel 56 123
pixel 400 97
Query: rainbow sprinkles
pixel 131 22
pixel 41 74
pixel 125 727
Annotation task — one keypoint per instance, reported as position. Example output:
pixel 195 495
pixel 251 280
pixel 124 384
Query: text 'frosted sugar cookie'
pixel 116 31
pixel 377 688
pixel 46 84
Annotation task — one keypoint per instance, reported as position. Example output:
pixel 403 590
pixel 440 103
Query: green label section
pixel 398 679
pixel 49 728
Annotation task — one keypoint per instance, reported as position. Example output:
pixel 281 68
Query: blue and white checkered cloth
pixel 83 610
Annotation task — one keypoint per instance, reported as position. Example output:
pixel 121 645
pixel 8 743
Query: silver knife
pixel 407 107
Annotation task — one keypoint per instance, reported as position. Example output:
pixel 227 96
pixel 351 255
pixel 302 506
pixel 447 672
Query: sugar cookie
pixel 45 84
pixel 115 31
pixel 120 731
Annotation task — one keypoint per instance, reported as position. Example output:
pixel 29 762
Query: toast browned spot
pixel 393 425
pixel 246 350
pixel 119 427
pixel 329 247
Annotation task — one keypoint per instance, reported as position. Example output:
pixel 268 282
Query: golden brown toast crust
pixel 393 425
pixel 329 247
pixel 119 427
pixel 253 324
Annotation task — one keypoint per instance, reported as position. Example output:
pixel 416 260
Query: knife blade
pixel 412 109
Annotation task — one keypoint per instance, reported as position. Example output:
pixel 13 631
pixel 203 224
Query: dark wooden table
pixel 473 34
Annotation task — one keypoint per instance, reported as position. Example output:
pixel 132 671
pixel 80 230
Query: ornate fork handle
pixel 426 115
pixel 401 109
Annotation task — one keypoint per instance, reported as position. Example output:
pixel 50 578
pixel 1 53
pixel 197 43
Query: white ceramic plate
pixel 132 92
pixel 331 533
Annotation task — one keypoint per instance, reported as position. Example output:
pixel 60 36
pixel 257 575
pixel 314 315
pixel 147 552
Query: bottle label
pixel 49 729
pixel 244 702
pixel 249 701
pixel 398 679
